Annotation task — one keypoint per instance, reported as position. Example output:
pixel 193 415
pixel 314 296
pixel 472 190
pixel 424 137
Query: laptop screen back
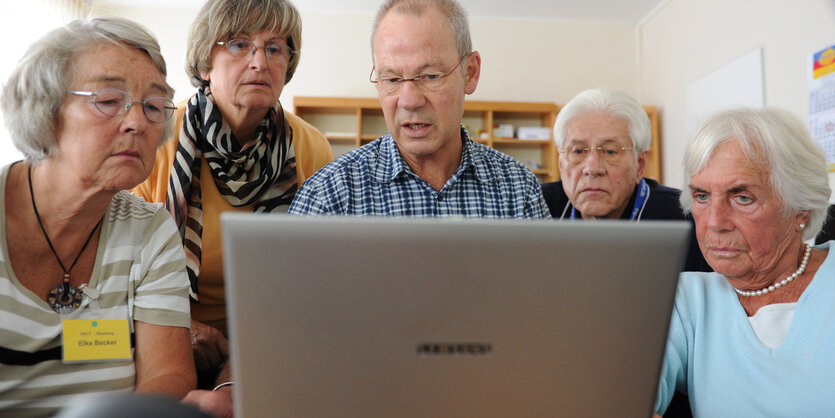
pixel 403 317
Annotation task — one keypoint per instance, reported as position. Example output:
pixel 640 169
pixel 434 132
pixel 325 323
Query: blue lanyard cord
pixel 637 209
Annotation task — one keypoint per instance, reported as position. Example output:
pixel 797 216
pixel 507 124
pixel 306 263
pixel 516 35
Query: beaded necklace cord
pixel 65 297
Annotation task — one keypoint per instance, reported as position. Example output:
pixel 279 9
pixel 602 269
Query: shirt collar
pixel 390 164
pixel 627 211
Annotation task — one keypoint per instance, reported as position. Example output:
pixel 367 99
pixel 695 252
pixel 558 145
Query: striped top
pixel 374 180
pixel 139 274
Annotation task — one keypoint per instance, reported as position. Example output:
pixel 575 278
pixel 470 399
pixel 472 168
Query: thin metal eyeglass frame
pixel 416 79
pixel 290 51
pixel 598 149
pixel 128 105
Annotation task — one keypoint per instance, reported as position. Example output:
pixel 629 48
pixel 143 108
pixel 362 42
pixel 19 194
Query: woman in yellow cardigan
pixel 235 149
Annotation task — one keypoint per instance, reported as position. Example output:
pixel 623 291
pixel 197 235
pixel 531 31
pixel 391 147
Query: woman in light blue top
pixel 757 337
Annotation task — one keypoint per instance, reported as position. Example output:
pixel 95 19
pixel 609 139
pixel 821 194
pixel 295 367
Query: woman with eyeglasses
pixel 235 148
pixel 93 288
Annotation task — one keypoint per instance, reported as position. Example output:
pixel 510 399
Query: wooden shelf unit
pixel 349 123
pixel 654 167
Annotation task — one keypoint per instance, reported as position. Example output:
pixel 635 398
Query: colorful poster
pixel 822 101
pixel 823 62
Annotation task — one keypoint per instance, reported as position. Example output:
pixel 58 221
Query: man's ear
pixel 642 166
pixel 472 73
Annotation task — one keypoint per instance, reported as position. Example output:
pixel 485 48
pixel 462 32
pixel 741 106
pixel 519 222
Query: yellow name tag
pixel 88 340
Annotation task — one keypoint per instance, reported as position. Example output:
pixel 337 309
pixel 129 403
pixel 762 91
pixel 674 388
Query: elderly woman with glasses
pixel 235 148
pixel 755 338
pixel 93 288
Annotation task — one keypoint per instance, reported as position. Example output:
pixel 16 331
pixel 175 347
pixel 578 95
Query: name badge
pixel 94 340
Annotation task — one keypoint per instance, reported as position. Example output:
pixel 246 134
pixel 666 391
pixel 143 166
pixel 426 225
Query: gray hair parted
pixel 615 103
pixel 455 14
pixel 222 20
pixel 776 140
pixel 33 94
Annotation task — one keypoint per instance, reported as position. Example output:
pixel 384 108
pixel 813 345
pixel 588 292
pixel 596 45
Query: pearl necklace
pixel 781 283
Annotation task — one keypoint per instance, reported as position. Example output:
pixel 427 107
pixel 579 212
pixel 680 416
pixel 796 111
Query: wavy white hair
pixel 615 103
pixel 772 138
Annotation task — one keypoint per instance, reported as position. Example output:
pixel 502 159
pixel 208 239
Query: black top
pixel 662 204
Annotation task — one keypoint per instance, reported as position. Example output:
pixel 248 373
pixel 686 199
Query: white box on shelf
pixel 534 132
pixel 503 131
pixel 335 134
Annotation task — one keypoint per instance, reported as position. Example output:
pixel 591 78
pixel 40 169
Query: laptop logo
pixel 454 349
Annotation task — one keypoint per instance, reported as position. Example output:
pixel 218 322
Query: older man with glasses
pixel 603 138
pixel 426 165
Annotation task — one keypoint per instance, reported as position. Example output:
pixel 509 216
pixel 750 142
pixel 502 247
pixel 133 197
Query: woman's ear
pixel 802 220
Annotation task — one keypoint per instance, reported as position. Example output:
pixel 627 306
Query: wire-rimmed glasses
pixel 390 84
pixel 240 47
pixel 611 152
pixel 115 102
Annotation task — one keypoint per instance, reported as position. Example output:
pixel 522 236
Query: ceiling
pixel 621 11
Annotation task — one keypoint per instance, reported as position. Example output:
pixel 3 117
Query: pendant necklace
pixel 65 297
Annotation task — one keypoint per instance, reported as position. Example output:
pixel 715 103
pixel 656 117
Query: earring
pixel 802 226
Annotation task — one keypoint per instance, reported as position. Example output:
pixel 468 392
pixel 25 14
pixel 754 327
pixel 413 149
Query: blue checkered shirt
pixel 374 180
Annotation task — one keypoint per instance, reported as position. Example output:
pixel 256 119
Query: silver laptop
pixel 383 317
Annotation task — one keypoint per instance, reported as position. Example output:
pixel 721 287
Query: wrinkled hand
pixel 218 403
pixel 211 349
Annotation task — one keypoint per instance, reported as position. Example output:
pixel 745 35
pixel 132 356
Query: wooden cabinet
pixel 653 169
pixel 349 123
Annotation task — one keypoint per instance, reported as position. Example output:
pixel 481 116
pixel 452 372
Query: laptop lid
pixel 425 317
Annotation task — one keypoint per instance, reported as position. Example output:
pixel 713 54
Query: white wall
pixel 523 60
pixel 552 61
pixel 539 60
pixel 18 30
pixel 687 39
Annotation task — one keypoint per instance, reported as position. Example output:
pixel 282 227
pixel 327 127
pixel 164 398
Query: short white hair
pixel 772 138
pixel 615 103
pixel 34 93
pixel 450 9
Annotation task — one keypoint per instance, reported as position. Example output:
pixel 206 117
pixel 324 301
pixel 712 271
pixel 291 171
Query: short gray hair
pixel 222 20
pixel 615 103
pixel 33 95
pixel 455 14
pixel 771 138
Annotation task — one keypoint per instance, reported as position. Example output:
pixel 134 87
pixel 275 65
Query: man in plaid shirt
pixel 426 165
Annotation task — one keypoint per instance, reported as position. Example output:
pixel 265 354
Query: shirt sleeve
pixel 535 207
pixel 674 368
pixel 155 187
pixel 309 201
pixel 312 149
pixel 161 294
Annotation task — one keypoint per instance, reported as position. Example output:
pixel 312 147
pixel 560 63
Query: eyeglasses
pixel 427 82
pixel 240 47
pixel 611 153
pixel 115 102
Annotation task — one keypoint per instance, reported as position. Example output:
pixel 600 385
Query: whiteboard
pixel 737 83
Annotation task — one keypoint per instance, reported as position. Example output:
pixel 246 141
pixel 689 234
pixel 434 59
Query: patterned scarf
pixel 262 173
